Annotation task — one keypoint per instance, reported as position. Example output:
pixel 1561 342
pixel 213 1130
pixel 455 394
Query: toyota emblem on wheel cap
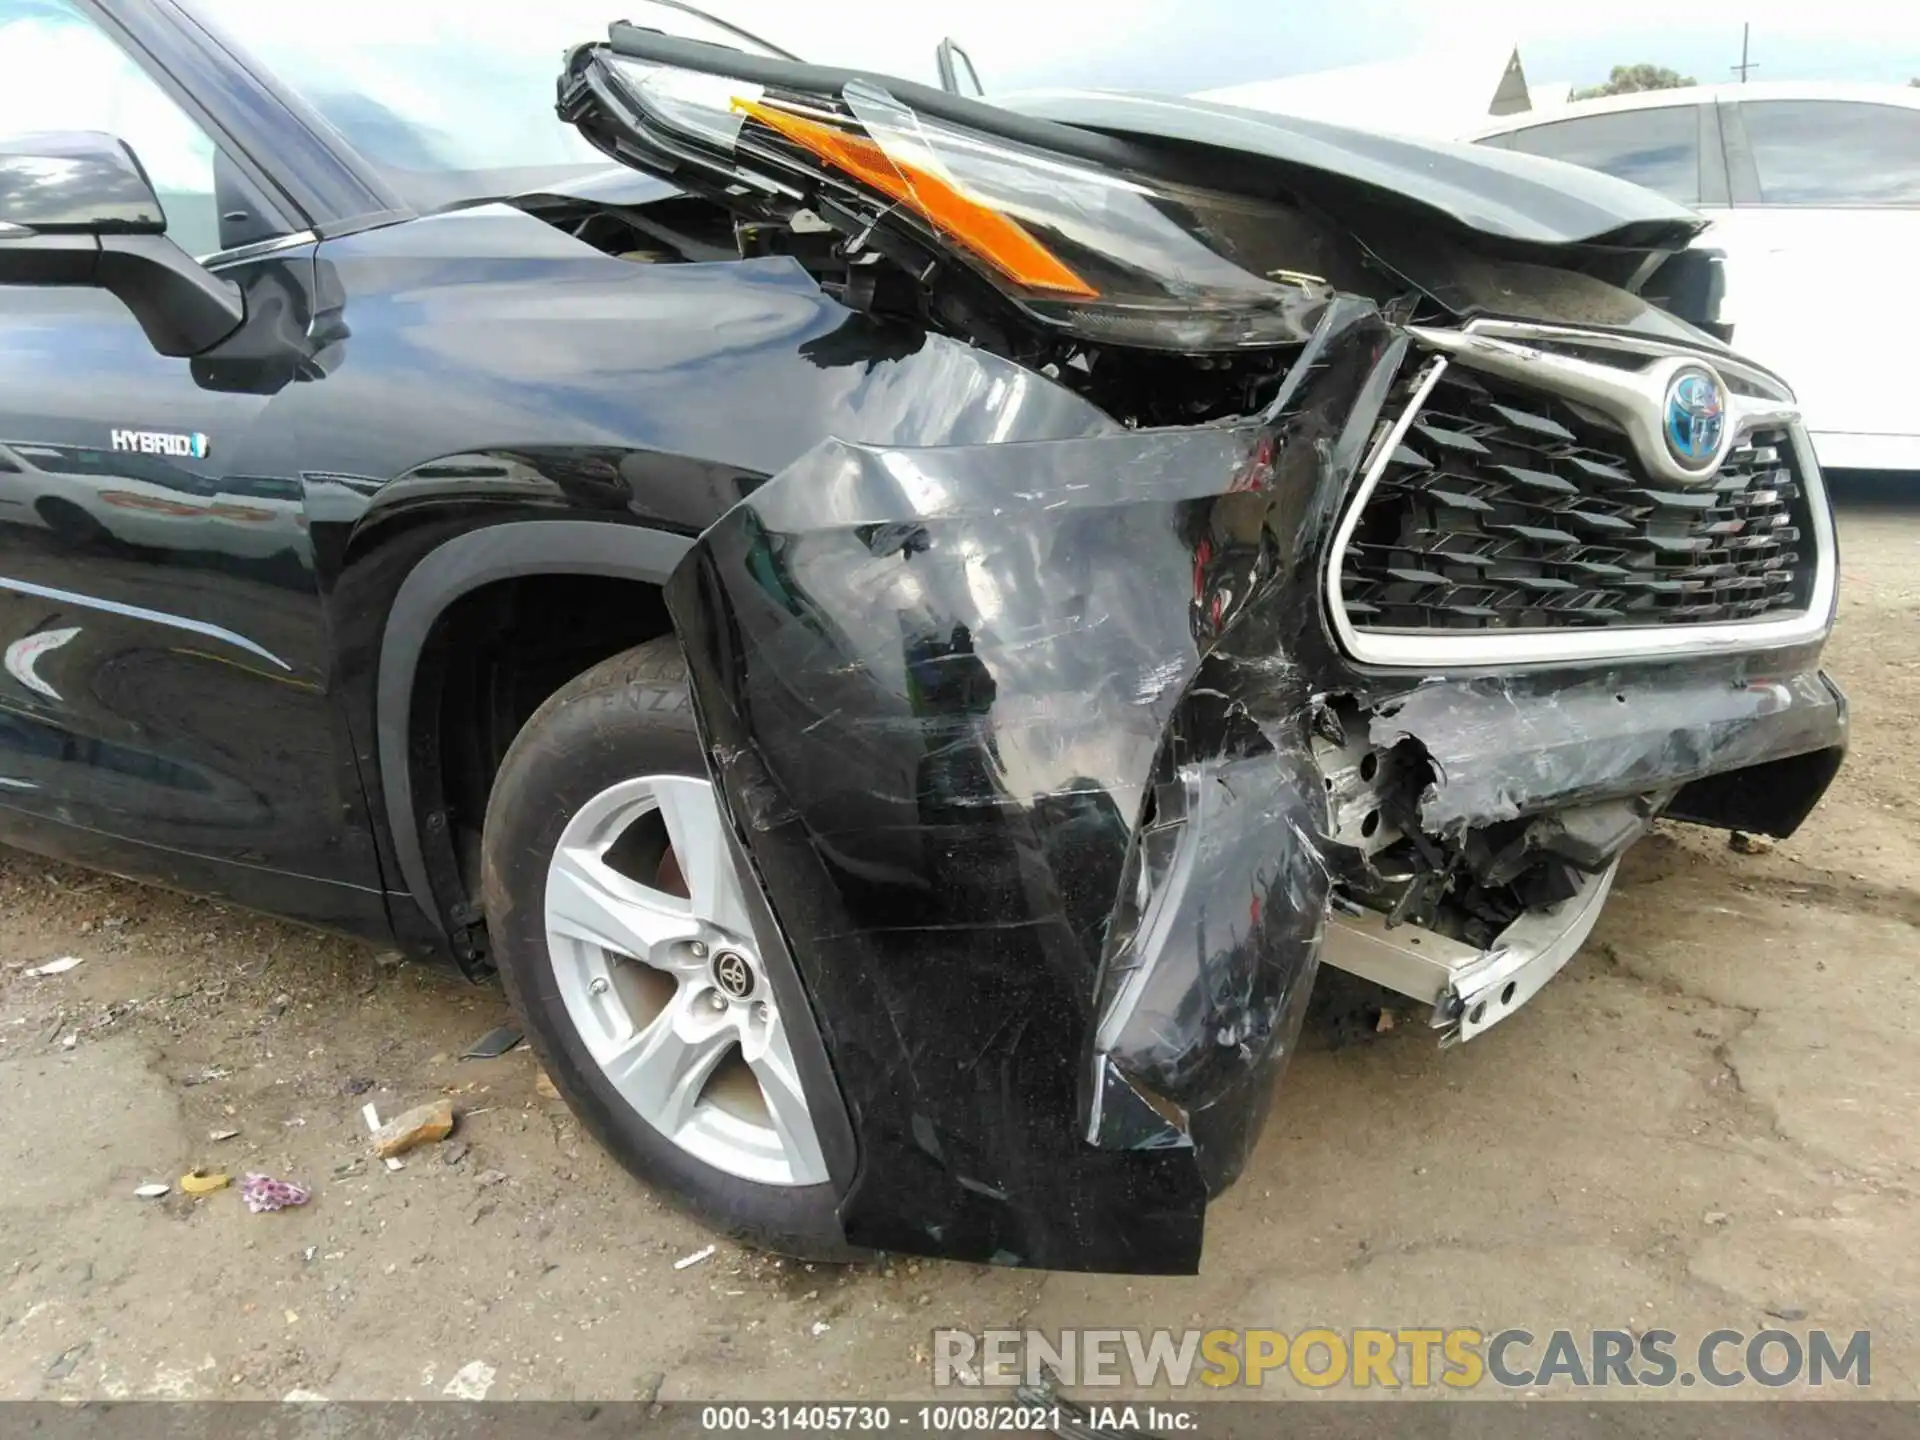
pixel 732 974
pixel 1696 417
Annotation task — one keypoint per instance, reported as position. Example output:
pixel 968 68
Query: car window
pixel 1834 152
pixel 262 487
pixel 59 71
pixel 1657 148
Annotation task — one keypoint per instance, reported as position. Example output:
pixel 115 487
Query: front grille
pixel 1505 508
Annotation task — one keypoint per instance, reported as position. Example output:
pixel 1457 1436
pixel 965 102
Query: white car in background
pixel 1814 193
pixel 93 497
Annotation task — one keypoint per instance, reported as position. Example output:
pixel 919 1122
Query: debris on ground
pixel 303 1397
pixel 705 1252
pixel 647 1388
pixel 490 1177
pixel 56 967
pixel 1715 1217
pixel 204 1182
pixel 263 1192
pixel 392 1164
pixel 152 1190
pixel 820 1327
pixel 471 1381
pixel 357 1084
pixel 1743 842
pixel 543 1084
pixel 495 1043
pixel 217 1135
pixel 65 1362
pixel 421 1125
pixel 455 1153
pixel 1384 1023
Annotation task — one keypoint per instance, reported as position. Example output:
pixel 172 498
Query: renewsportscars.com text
pixel 1403 1358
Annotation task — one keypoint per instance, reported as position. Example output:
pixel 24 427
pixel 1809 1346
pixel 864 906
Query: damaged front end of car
pixel 1064 761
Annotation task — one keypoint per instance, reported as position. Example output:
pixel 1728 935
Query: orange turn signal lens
pixel 998 239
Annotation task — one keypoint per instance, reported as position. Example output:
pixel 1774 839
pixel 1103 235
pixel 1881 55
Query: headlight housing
pixel 1107 256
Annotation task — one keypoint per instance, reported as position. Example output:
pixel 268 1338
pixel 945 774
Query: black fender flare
pixel 463 564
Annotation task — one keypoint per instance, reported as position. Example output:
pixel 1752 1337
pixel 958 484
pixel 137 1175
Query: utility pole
pixel 1746 34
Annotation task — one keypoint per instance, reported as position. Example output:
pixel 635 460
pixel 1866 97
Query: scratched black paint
pixel 966 705
pixel 943 787
pixel 967 699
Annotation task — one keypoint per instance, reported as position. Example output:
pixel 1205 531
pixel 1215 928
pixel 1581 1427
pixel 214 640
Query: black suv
pixel 904 629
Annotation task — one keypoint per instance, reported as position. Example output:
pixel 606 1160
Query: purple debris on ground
pixel 263 1192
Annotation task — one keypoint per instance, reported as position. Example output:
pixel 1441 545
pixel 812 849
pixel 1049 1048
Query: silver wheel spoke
pixel 672 1062
pixel 699 840
pixel 591 902
pixel 663 1069
pixel 771 1061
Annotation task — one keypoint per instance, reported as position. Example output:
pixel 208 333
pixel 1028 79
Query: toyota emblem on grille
pixel 732 974
pixel 1696 417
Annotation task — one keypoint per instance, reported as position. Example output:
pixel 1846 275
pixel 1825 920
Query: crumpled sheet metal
pixel 937 687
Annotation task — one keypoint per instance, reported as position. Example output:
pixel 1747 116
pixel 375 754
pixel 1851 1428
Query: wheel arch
pixel 444 575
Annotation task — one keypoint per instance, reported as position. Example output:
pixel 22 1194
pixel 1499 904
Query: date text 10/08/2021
pixel 975 1418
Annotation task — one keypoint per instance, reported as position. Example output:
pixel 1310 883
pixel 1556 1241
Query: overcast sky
pixel 1196 44
pixel 479 73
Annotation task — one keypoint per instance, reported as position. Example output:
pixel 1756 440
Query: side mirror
pixel 76 208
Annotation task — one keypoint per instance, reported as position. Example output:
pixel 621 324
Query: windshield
pixel 452 100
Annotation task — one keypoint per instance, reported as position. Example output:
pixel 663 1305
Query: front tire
pixel 623 940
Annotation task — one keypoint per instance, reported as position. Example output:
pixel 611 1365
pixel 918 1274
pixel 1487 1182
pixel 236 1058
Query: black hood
pixel 604 185
pixel 1497 193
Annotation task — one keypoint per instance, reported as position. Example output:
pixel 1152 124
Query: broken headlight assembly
pixel 1099 255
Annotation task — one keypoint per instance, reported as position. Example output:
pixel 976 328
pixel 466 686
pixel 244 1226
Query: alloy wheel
pixel 654 957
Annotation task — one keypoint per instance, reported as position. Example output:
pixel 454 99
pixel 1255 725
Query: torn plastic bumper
pixel 1577 769
pixel 939 687
pixel 1512 745
pixel 1209 958
pixel 1021 741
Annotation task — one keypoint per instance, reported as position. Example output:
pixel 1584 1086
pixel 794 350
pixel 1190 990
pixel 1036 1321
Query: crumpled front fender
pixel 1018 745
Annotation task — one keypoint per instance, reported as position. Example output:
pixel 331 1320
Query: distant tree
pixel 1631 79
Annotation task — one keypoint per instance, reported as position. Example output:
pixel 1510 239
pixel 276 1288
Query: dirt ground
pixel 1706 1121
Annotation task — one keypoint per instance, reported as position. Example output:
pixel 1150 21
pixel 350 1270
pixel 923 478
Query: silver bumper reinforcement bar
pixel 1468 989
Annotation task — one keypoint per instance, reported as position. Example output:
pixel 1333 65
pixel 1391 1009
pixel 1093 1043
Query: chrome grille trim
pixel 1771 407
